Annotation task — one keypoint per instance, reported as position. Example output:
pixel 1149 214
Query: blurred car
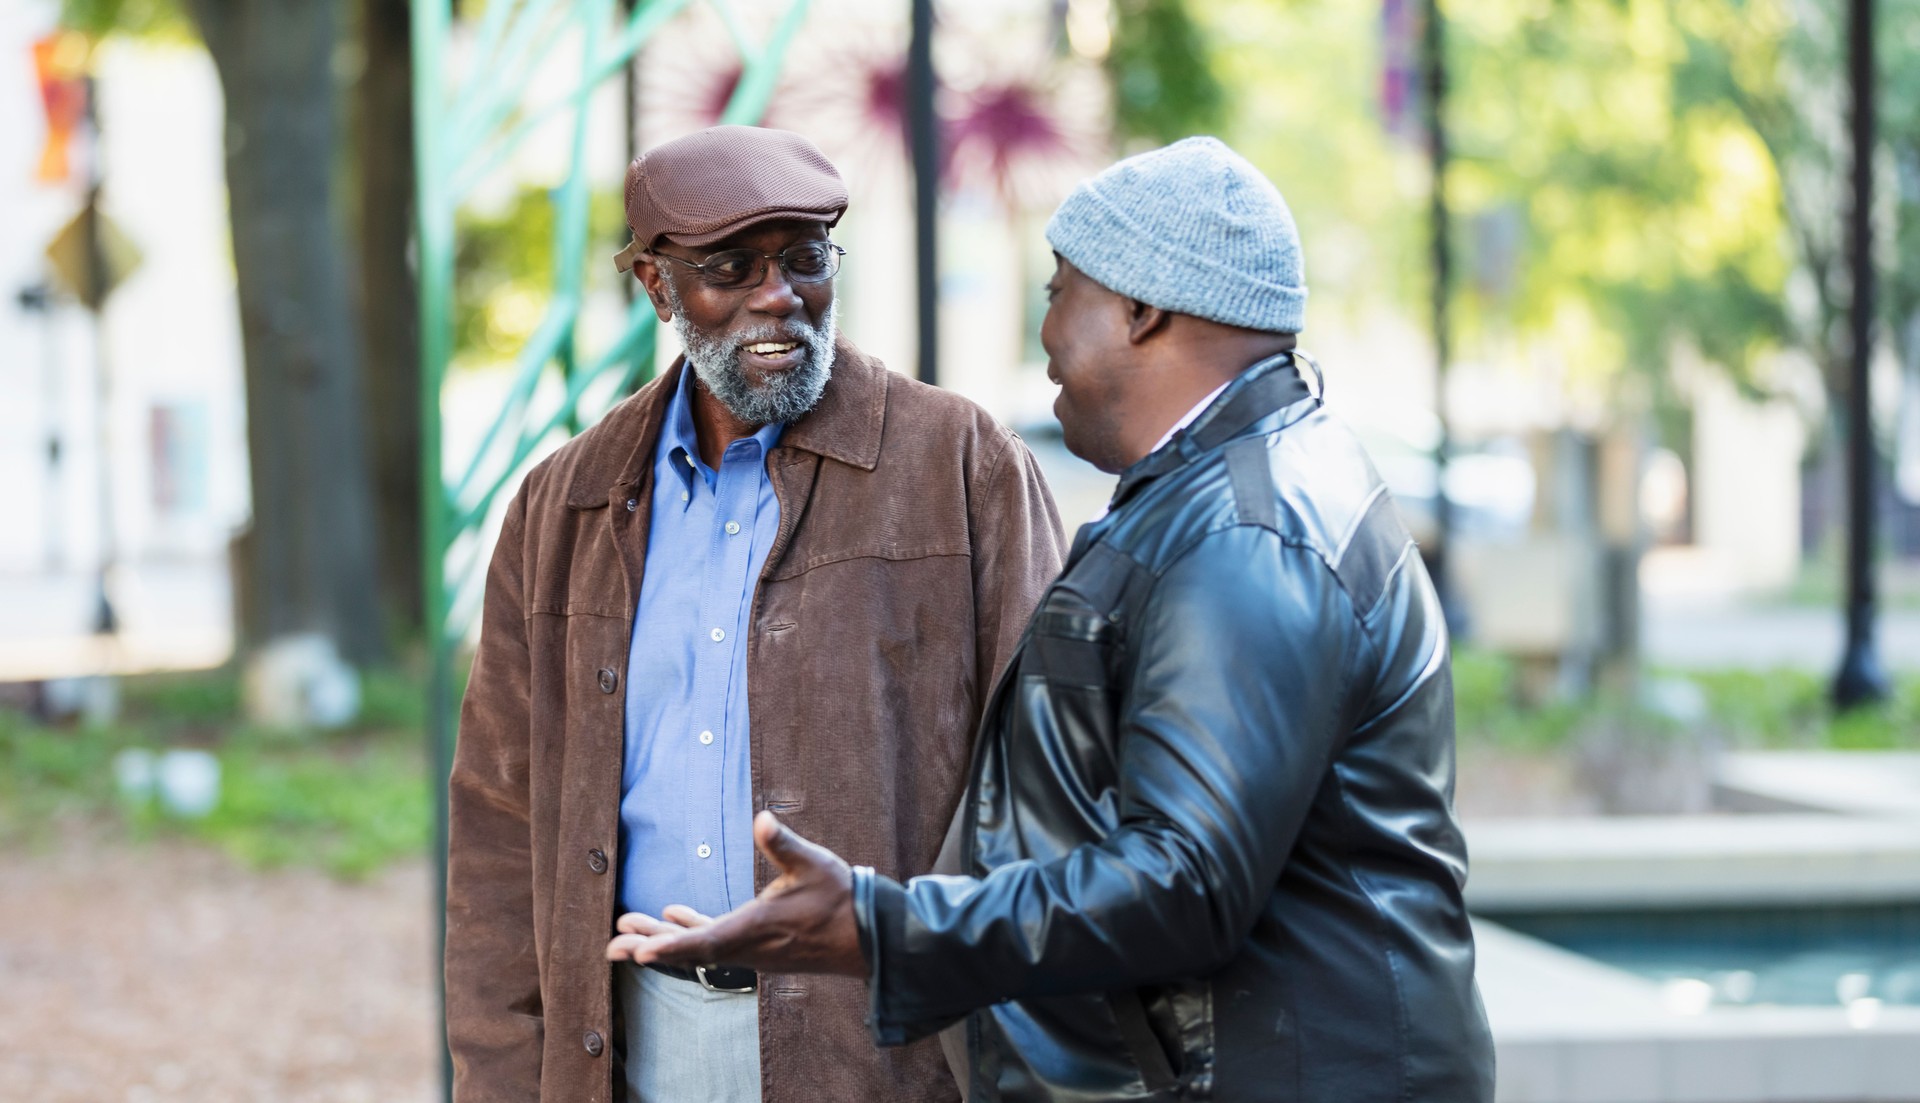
pixel 1490 484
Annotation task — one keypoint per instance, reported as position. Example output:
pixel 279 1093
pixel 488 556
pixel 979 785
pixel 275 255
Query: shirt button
pixel 706 737
pixel 597 860
pixel 595 1045
pixel 703 850
pixel 717 634
pixel 683 495
pixel 608 681
pixel 733 528
pixel 632 504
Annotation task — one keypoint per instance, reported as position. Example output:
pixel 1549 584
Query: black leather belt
pixel 713 978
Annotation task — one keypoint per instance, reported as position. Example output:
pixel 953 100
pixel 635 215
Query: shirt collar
pixel 1186 419
pixel 679 443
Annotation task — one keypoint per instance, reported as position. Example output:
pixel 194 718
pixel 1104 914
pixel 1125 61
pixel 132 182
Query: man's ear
pixel 647 270
pixel 1144 321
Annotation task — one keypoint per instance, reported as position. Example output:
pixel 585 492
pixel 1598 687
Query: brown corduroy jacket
pixel 915 536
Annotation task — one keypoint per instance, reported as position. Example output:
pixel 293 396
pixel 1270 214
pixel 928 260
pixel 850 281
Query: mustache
pixel 796 331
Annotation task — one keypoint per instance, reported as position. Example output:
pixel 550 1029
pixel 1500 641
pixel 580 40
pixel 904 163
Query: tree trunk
pixel 309 564
pixel 389 301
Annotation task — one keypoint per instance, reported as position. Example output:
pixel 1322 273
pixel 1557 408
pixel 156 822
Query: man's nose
pixel 775 294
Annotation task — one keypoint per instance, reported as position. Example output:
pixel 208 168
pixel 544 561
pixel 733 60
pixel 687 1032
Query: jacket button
pixel 608 681
pixel 593 1043
pixel 597 860
pixel 633 504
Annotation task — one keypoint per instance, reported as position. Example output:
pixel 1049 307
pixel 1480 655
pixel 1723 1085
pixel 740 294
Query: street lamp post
pixel 1861 680
pixel 1434 73
pixel 923 139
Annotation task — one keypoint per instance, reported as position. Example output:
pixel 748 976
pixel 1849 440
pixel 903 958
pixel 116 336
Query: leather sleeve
pixel 495 1026
pixel 1017 550
pixel 1234 696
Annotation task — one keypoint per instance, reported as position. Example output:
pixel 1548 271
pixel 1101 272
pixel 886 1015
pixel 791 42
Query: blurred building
pixel 135 419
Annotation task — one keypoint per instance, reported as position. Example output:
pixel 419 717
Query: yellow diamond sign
pixel 68 252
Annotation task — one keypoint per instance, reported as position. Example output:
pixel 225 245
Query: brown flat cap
pixel 715 182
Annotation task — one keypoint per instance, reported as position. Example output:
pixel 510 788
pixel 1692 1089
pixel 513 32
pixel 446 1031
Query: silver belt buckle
pixel 700 973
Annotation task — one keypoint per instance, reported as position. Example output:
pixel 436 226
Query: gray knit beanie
pixel 1192 228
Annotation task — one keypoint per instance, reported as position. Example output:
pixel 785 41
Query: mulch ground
pixel 154 972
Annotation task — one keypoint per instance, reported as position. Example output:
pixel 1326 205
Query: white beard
pixel 784 397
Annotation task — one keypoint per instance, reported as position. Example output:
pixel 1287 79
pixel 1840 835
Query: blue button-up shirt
pixel 686 789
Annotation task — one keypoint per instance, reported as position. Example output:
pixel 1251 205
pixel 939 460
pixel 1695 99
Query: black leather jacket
pixel 1209 828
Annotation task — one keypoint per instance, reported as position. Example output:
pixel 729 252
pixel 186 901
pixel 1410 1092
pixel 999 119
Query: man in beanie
pixel 1208 849
pixel 778 577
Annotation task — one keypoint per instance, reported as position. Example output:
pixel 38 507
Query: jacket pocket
pixel 1071 647
pixel 1149 1055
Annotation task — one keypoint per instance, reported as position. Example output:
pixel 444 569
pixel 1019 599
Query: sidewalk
pixel 1794 637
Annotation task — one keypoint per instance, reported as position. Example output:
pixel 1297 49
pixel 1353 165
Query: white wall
pixel 171 330
pixel 1746 484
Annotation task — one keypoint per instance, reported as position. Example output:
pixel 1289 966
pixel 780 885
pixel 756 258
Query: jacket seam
pixel 888 553
pixel 1006 440
pixel 1420 680
pixel 1359 519
pixel 1377 915
pixel 571 609
pixel 1407 551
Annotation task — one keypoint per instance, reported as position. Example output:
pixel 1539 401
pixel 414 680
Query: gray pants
pixel 686 1044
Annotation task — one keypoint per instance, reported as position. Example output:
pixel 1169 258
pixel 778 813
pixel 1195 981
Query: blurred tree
pixel 389 300
pixel 1163 82
pixel 1900 127
pixel 1312 124
pixel 1627 175
pixel 308 563
pixel 504 269
pixel 1644 213
pixel 1782 66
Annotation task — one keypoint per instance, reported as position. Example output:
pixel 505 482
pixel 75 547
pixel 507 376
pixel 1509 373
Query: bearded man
pixel 780 577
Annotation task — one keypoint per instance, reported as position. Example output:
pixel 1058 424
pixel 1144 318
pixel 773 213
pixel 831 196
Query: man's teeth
pixel 771 349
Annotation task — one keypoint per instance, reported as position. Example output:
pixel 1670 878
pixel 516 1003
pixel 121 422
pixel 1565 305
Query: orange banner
pixel 60 61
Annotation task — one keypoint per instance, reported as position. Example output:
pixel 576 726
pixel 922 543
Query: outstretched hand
pixel 802 922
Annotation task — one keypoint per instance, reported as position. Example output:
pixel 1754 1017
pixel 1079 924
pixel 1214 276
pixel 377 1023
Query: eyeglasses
pixel 740 269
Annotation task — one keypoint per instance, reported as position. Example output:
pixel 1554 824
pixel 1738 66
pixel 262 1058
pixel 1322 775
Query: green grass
pixel 353 802
pixel 348 802
pixel 1744 708
pixel 1487 709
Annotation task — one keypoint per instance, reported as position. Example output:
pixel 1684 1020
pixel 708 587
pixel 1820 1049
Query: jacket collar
pixel 1262 390
pixel 845 426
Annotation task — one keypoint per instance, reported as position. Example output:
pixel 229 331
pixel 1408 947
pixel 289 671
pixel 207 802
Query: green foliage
pixel 1899 103
pixel 1627 176
pixel 1777 709
pixel 99 18
pixel 1303 85
pixel 351 808
pixel 168 703
pixel 348 802
pixel 1486 706
pixel 392 700
pixel 1652 213
pixel 1789 708
pixel 1164 84
pixel 504 268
